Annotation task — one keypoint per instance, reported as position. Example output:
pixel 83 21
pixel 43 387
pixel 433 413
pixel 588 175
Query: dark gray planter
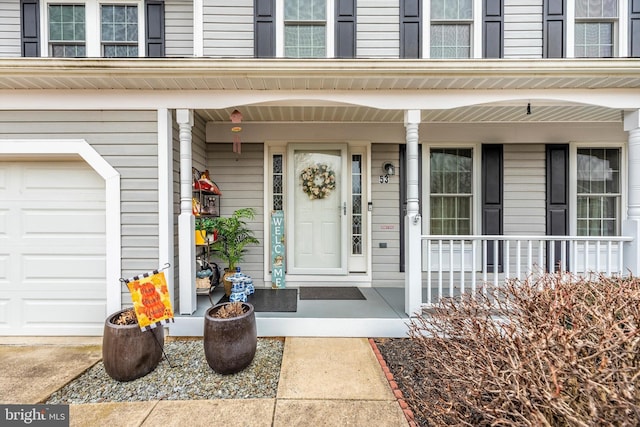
pixel 129 353
pixel 230 344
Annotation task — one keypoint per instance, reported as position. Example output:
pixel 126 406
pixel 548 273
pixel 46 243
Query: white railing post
pixel 186 243
pixel 631 227
pixel 577 254
pixel 413 221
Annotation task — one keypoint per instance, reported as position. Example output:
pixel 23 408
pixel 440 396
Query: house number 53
pixel 383 179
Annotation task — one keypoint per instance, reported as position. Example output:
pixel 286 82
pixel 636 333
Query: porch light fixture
pixel 388 168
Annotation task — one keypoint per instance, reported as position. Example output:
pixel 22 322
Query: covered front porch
pixel 522 213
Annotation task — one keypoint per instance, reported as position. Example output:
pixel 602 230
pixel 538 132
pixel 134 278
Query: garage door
pixel 52 249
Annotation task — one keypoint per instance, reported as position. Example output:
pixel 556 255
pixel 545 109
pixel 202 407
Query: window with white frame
pixel 92 28
pixel 595 28
pixel 119 30
pixel 451 190
pixel 305 28
pixel 451 28
pixel 598 191
pixel 67 30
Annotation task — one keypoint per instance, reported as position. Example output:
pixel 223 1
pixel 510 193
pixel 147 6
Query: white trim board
pixel 38 147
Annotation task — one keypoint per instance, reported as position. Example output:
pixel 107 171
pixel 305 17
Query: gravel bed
pixel 189 377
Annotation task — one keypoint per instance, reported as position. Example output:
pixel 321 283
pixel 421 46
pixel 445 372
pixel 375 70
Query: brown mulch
pixel 400 356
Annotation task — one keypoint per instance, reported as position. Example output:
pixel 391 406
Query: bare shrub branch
pixel 558 350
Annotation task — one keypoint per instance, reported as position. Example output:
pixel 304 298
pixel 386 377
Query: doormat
pixel 335 293
pixel 274 300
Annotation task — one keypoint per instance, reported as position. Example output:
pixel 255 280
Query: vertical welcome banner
pixel 277 250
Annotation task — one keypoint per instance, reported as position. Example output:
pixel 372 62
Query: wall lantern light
pixel 388 168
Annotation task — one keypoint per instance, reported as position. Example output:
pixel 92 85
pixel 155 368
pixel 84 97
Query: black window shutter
pixel 410 28
pixel 553 29
pixel 634 28
pixel 345 28
pixel 264 29
pixel 557 194
pixel 154 28
pixel 492 198
pixel 30 27
pixel 492 22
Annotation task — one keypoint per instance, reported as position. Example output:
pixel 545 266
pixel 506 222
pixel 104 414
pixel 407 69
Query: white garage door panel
pixel 64 223
pixel 52 258
pixel 61 312
pixel 4 309
pixel 4 268
pixel 67 267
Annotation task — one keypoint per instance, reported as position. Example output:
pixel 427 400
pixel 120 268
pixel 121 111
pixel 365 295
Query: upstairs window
pixel 67 30
pixel 595 28
pixel 96 28
pixel 305 28
pixel 451 27
pixel 119 30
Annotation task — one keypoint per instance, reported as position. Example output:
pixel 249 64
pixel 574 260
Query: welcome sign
pixel 277 250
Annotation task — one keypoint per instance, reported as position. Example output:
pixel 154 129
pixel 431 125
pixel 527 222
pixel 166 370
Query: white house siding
pixel 199 145
pixel 240 178
pixel 128 141
pixel 228 28
pixel 378 29
pixel 524 189
pixel 523 28
pixel 178 27
pixel 198 154
pixel 385 218
pixel 10 28
pixel 524 195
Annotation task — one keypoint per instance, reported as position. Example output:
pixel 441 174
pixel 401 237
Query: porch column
pixel 186 243
pixel 631 227
pixel 413 221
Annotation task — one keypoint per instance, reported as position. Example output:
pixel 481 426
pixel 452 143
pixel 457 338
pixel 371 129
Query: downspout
pixel 186 221
pixel 413 221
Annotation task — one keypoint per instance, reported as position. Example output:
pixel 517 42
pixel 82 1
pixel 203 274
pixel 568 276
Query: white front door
pixel 318 180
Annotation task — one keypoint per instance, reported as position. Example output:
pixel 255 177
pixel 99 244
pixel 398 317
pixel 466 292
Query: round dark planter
pixel 129 353
pixel 230 344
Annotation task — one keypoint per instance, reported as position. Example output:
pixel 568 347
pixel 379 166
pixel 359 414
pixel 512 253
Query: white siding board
pixel 235 40
pixel 386 208
pixel 179 28
pixel 524 189
pixel 176 208
pixel 226 167
pixel 523 29
pixel 10 29
pixel 378 20
pixel 127 130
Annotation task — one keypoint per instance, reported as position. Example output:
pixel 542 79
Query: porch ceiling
pixel 352 76
pixel 473 114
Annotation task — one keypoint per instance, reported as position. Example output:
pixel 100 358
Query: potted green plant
pixel 204 227
pixel 232 236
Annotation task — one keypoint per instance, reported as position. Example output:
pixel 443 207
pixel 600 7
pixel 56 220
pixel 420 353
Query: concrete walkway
pixel 323 382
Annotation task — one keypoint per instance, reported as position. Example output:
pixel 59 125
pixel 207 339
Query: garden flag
pixel 151 300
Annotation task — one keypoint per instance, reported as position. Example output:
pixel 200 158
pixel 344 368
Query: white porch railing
pixel 454 265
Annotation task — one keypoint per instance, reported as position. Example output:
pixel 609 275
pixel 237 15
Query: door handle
pixel 344 208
